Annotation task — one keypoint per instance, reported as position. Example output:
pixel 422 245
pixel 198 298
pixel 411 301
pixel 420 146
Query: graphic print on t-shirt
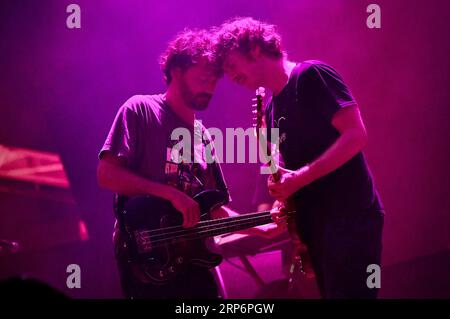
pixel 187 176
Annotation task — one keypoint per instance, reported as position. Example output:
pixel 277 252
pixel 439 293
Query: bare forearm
pixel 351 141
pixel 122 181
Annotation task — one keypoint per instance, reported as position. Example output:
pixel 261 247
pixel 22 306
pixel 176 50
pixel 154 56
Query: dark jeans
pixel 341 248
pixel 195 283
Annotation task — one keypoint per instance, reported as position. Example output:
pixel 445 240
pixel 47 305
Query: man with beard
pixel 137 158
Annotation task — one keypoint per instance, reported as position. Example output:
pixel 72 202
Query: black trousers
pixel 341 249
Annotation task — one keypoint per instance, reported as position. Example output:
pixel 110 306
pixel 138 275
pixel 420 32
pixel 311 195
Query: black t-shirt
pixel 143 134
pixel 303 112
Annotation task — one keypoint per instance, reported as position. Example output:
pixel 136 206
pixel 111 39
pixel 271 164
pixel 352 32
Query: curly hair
pixel 243 34
pixel 187 49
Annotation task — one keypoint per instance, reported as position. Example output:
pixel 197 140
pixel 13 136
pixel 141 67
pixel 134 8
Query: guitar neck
pixel 263 143
pixel 222 226
pixel 268 157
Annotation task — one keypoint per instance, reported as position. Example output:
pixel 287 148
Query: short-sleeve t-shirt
pixel 303 113
pixel 143 134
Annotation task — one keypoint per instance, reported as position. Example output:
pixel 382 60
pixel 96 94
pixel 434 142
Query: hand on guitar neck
pixel 288 183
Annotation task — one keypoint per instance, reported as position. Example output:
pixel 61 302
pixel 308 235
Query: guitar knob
pixel 171 269
pixel 161 273
pixel 180 260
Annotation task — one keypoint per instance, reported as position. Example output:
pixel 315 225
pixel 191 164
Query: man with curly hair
pixel 137 158
pixel 340 215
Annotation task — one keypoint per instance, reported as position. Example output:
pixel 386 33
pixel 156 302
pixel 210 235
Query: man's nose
pixel 210 87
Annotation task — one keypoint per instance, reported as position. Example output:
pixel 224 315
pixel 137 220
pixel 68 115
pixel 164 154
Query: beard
pixel 195 101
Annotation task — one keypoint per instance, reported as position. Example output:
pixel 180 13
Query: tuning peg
pixel 260 91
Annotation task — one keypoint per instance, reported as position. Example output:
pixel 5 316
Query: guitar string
pixel 205 229
pixel 201 234
pixel 183 231
pixel 208 222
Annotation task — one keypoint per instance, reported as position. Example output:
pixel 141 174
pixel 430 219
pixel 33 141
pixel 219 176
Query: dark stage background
pixel 60 89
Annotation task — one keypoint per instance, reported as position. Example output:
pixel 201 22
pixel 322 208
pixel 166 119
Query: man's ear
pixel 176 73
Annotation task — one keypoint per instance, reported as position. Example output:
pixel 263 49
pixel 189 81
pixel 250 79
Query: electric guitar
pixel 159 248
pixel 301 260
